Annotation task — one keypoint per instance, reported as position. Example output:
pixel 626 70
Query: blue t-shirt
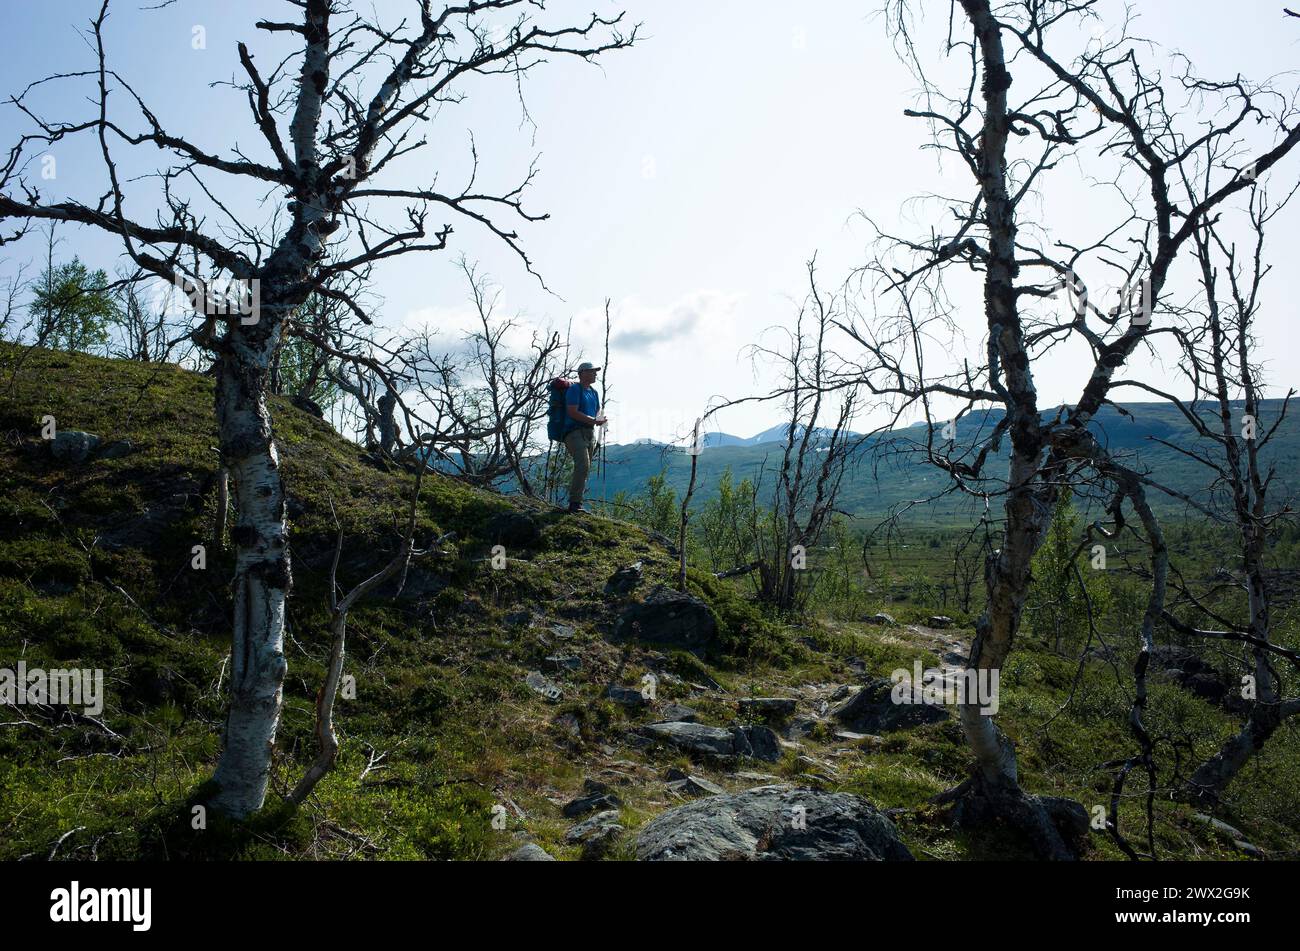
pixel 586 399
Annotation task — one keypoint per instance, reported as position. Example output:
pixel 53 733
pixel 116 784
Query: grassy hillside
pixel 95 571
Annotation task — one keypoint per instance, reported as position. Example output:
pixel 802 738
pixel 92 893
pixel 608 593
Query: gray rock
pixel 596 797
pixel 940 621
pixel 873 710
pixel 679 713
pixel 693 737
pixel 882 618
pixel 694 786
pixel 73 446
pixel 627 696
pixel 624 581
pixel 669 617
pixel 1186 668
pixel 800 728
pixel 543 686
pixel 115 450
pixel 568 723
pixel 767 706
pixel 562 631
pixel 772 823
pixel 532 852
pixel 596 834
pixel 564 662
pixel 758 742
pixel 308 405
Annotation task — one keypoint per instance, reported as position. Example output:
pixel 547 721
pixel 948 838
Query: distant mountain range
pixel 889 469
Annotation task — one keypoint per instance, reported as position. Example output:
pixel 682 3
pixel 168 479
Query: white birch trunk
pixel 262 572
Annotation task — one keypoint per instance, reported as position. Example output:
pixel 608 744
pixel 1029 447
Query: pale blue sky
pixel 687 178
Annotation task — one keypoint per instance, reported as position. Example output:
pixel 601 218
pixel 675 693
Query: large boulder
pixel 772 823
pixel 530 852
pixel 624 581
pixel 1186 668
pixel 873 709
pixel 756 742
pixel 72 446
pixel 596 835
pixel 669 617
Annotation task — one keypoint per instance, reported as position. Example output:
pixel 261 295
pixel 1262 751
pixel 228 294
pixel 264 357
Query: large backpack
pixel 557 414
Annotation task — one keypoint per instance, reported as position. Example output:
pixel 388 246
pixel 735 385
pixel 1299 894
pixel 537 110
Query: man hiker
pixel 582 404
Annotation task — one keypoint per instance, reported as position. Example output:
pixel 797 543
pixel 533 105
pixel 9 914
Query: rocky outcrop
pixel 624 581
pixel 531 852
pixel 757 742
pixel 72 447
pixel 772 823
pixel 669 617
pixel 873 710
pixel 597 834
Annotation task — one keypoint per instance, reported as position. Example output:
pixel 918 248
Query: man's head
pixel 587 373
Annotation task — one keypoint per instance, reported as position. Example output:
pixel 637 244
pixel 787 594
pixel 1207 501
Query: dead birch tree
pixel 342 100
pixel 1233 433
pixel 1096 102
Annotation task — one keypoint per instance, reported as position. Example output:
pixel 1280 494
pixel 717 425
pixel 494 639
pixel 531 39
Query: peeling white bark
pixel 262 573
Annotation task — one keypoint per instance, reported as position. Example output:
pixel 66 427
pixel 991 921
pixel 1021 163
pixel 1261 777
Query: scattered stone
pixel 541 685
pixel 563 631
pixel 627 696
pixel 772 823
pixel 669 617
pixel 531 852
pixel 569 724
pixel 564 662
pixel 752 777
pixel 694 786
pixel 307 405
pixel 767 707
pixel 73 446
pixel 624 581
pixel 873 710
pixel 116 449
pixel 861 739
pixel 1230 833
pixel 596 834
pixel 758 742
pixel 679 713
pixel 595 796
pixel 882 618
pixel 802 727
pixel 940 621
pixel 519 618
pixel 1199 678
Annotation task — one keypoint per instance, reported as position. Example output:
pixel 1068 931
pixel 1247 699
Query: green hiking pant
pixel 581 443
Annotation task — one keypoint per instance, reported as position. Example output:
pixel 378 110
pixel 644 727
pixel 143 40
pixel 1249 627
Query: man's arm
pixel 581 417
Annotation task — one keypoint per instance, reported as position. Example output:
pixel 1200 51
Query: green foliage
pixel 1066 590
pixel 300 372
pixel 655 508
pixel 722 529
pixel 73 308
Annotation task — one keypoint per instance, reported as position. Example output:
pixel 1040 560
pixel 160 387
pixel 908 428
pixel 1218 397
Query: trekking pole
pixel 604 496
